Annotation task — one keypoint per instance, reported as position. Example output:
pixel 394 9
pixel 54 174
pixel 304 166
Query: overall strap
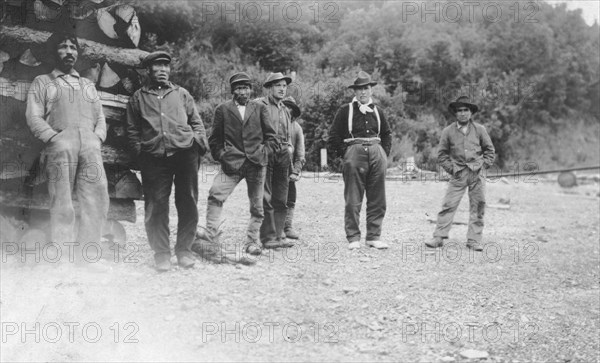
pixel 350 115
pixel 378 120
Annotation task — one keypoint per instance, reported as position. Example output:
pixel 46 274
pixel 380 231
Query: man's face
pixel 67 54
pixel 363 94
pixel 159 72
pixel 463 114
pixel 241 93
pixel 279 89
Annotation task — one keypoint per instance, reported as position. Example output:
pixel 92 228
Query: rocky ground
pixel 531 295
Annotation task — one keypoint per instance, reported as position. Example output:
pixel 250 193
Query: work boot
pixel 185 261
pixel 289 229
pixel 436 242
pixel 474 245
pixel 163 262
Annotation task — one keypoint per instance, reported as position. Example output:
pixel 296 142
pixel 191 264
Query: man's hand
pixel 294 177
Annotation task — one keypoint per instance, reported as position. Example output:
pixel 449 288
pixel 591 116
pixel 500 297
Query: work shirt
pixel 280 118
pixel 363 126
pixel 162 120
pixel 57 101
pixel 472 150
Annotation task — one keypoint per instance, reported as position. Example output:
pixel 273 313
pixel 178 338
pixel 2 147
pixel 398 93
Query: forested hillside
pixel 532 67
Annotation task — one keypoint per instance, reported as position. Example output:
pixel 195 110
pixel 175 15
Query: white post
pixel 323 158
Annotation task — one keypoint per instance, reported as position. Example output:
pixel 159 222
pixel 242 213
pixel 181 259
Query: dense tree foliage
pixel 533 68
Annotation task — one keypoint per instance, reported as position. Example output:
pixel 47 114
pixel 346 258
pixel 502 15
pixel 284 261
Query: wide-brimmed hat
pixel 363 79
pixel 240 77
pixel 158 56
pixel 274 77
pixel 464 101
pixel 291 103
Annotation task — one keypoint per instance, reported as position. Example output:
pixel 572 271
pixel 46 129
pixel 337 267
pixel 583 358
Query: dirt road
pixel 531 295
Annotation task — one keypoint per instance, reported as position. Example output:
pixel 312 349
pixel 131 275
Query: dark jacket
pixel 458 151
pixel 234 140
pixel 162 125
pixel 362 126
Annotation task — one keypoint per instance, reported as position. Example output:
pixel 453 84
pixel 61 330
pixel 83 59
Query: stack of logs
pixel 108 34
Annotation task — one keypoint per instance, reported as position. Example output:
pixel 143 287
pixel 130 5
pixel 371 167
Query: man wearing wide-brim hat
pixel 166 136
pixel 277 180
pixel 465 149
pixel 360 134
pixel 241 140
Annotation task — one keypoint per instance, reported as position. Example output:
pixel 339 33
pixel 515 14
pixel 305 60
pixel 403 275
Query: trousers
pixel 158 176
pixel 72 162
pixel 475 183
pixel 222 187
pixel 275 197
pixel 364 170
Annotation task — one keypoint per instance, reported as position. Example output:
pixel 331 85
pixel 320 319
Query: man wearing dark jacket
pixel 361 135
pixel 277 179
pixel 465 148
pixel 167 137
pixel 241 140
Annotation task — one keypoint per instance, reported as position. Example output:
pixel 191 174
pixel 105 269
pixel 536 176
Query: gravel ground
pixel 531 295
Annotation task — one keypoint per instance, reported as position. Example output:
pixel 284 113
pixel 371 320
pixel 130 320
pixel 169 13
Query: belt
pixel 363 141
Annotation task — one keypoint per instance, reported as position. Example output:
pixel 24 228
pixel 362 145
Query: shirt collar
pixel 58 73
pixel 458 126
pixel 274 101
pixel 358 102
pixel 148 88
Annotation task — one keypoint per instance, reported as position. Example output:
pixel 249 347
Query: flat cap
pixel 240 77
pixel 274 77
pixel 156 57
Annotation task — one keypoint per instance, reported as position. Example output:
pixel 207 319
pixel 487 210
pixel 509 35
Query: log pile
pixel 108 33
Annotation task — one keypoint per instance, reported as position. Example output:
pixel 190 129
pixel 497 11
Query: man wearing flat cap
pixel 361 135
pixel 241 140
pixel 277 180
pixel 167 138
pixel 465 149
pixel 65 113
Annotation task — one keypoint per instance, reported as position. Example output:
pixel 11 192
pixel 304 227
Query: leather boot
pixel 289 229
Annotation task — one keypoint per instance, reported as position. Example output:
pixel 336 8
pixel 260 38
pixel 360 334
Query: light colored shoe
pixel 354 245
pixel 378 244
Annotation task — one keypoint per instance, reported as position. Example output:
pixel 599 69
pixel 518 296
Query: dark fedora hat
pixel 158 56
pixel 291 103
pixel 240 77
pixel 274 77
pixel 363 79
pixel 464 101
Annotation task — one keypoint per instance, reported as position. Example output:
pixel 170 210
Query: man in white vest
pixel 361 135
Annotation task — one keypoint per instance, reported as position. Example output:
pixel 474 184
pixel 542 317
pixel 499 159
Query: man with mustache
pixel 241 140
pixel 167 138
pixel 64 112
pixel 465 149
pixel 277 179
pixel 361 135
